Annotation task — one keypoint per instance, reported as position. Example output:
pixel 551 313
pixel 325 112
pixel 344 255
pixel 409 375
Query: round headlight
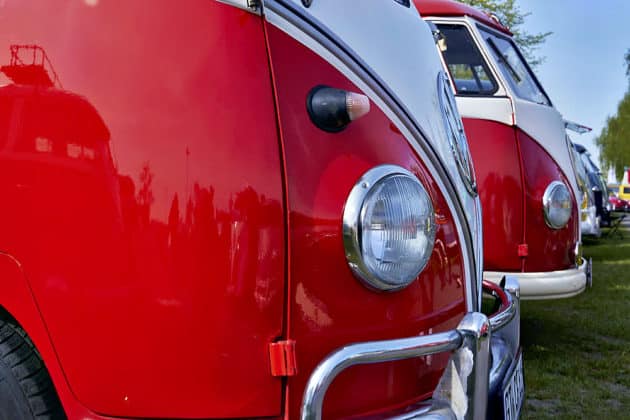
pixel 388 228
pixel 557 205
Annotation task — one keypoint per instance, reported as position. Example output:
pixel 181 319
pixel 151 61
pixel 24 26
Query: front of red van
pixel 524 163
pixel 385 237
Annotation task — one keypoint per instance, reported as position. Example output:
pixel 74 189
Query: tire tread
pixel 18 353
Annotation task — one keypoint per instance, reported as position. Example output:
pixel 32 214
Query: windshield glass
pixel 590 166
pixel 579 168
pixel 514 68
pixel 469 72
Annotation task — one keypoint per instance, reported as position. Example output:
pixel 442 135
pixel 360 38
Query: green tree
pixel 613 144
pixel 511 16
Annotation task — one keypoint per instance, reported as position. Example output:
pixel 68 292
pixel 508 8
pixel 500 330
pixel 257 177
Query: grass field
pixel 577 350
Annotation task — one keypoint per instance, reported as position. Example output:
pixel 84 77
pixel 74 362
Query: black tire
pixel 26 390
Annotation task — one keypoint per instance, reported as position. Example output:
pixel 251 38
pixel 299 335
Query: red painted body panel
pixel 512 201
pixel 328 306
pixel 159 269
pixel 548 249
pixel 455 8
pixel 18 300
pixel 495 152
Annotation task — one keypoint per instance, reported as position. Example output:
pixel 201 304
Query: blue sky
pixel 584 70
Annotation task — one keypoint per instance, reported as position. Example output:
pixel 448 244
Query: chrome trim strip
pixel 502 318
pixel 455 134
pixel 479 251
pixel 311 33
pixel 508 309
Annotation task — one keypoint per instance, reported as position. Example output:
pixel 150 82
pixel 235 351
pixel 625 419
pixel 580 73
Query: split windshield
pixel 465 63
pixel 514 68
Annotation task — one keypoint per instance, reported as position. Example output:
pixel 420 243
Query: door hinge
pixel 523 250
pixel 282 358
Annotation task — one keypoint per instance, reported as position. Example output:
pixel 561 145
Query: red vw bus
pixel 239 210
pixel 523 160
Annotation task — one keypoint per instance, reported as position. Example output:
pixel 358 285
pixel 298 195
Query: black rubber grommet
pixel 327 109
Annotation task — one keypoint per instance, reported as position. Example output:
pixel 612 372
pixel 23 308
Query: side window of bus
pixel 465 63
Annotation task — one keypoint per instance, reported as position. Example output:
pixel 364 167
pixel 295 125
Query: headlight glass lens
pixel 394 228
pixel 557 205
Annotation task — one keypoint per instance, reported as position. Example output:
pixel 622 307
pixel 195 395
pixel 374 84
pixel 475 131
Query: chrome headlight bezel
pixel 353 215
pixel 554 188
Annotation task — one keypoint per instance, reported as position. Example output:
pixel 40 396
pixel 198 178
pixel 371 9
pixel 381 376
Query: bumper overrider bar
pixel 483 349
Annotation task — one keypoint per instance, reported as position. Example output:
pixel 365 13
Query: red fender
pixel 18 301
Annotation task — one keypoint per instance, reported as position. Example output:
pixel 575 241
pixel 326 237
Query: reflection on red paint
pixel 146 213
pixel 500 191
pixel 29 65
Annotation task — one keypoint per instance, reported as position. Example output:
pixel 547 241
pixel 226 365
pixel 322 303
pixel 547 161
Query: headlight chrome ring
pixel 388 228
pixel 557 205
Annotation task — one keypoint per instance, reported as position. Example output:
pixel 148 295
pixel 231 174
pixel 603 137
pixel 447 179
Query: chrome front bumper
pixel 482 349
pixel 558 284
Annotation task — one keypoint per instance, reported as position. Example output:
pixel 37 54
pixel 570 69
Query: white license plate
pixel 514 392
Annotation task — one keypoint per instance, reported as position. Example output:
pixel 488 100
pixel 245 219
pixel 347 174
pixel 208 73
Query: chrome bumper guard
pixel 482 349
pixel 588 270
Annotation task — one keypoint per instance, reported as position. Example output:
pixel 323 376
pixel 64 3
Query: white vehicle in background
pixel 591 205
pixel 589 220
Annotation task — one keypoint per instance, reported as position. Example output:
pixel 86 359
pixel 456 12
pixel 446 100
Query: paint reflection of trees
pixel 499 211
pixel 55 142
pixel 235 250
pixel 145 193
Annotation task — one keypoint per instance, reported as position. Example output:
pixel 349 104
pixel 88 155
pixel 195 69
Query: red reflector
pixel 282 358
pixel 523 251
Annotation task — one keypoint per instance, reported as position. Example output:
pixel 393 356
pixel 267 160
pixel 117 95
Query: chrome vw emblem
pixel 455 134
